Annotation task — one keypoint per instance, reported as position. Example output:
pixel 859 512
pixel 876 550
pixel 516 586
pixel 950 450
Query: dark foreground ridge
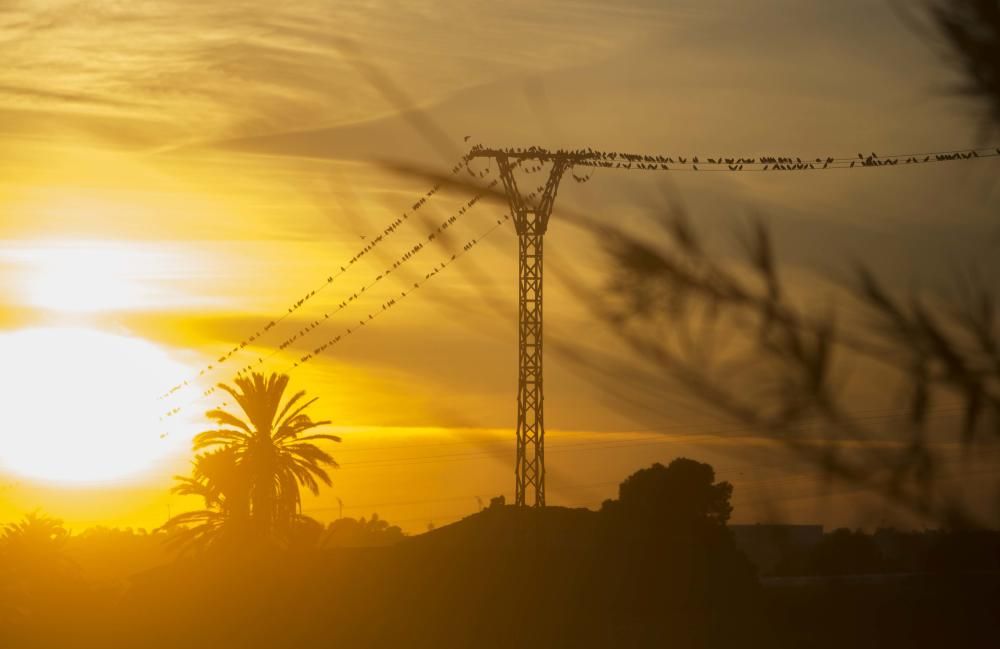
pixel 656 567
pixel 505 577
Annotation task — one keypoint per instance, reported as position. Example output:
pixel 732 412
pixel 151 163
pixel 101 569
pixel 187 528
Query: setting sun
pixel 81 404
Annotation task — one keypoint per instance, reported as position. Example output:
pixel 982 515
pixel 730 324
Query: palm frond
pixel 228 419
pixel 218 437
pixel 306 438
pixel 297 426
pixel 288 405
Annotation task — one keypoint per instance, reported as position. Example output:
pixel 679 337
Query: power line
pixel 392 302
pixel 402 260
pixel 386 232
pixel 435 236
pixel 597 158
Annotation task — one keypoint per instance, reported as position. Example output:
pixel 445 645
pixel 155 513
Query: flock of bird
pixel 589 157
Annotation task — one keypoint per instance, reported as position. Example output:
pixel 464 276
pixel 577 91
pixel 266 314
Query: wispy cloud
pixel 241 68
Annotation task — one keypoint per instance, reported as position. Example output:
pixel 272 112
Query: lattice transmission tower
pixel 530 214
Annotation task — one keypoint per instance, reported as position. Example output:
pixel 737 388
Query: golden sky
pixel 174 173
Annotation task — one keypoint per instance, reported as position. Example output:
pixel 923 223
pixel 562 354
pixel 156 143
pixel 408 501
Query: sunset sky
pixel 175 173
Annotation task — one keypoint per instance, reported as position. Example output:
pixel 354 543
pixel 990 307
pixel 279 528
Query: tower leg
pixel 530 466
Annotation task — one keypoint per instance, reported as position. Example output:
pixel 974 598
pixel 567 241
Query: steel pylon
pixel 531 218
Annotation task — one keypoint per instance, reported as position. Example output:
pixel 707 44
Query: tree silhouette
pixel 37 532
pixel 36 573
pixel 350 532
pixel 683 492
pixel 220 481
pixel 224 487
pixel 251 478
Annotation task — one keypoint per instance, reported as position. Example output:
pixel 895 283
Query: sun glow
pixel 81 405
pixel 88 276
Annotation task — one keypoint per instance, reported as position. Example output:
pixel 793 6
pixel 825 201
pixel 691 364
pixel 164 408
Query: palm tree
pixel 34 547
pixel 272 454
pixel 222 485
pixel 36 533
pixel 37 573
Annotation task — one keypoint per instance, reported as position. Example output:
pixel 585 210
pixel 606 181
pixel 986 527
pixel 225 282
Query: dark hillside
pixel 505 577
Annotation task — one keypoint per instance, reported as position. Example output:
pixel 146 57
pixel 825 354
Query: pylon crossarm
pixel 544 209
pixel 517 206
